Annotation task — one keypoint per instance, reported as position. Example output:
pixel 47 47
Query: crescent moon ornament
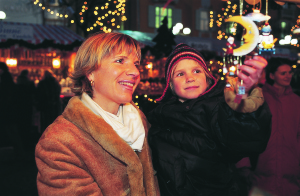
pixel 250 38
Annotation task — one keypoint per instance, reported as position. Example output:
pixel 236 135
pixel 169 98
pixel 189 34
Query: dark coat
pixel 195 144
pixel 48 101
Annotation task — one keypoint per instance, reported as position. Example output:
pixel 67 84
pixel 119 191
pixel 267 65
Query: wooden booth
pixel 37 47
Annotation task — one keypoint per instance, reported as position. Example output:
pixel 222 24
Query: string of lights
pixel 37 2
pixel 296 26
pixel 227 13
pixel 104 22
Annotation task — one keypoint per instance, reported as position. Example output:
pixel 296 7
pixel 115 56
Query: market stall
pixel 36 47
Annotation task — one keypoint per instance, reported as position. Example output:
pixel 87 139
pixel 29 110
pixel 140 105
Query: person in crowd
pixel 8 111
pixel 98 146
pixel 199 130
pixel 26 97
pixel 48 99
pixel 277 170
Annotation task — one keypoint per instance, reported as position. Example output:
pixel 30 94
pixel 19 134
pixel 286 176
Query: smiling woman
pixel 98 146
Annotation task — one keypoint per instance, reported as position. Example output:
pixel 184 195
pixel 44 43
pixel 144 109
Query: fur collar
pixel 77 113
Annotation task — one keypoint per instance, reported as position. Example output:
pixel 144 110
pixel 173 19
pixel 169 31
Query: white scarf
pixel 127 123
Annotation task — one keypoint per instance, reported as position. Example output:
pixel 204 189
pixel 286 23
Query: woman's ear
pixel 91 76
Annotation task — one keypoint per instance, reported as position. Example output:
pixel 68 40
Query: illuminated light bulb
pixel 57 14
pixel 118 26
pixel 109 12
pixel 96 8
pixel 103 17
pixel 40 4
pixel 72 21
pixel 95 24
pixel 66 16
pixel 61 15
pixel 112 24
pixel 118 14
pixel 51 12
pixel 43 8
pixel 106 15
pixel 91 28
pixel 232 68
pixel 102 8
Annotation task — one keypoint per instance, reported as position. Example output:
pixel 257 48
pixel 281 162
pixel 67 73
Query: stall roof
pixel 38 36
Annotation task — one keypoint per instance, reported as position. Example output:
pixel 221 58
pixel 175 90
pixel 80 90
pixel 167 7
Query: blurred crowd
pixel 26 107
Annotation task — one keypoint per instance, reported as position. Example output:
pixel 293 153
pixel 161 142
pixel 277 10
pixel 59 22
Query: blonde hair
pixel 91 53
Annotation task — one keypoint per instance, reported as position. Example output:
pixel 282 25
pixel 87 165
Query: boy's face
pixel 188 79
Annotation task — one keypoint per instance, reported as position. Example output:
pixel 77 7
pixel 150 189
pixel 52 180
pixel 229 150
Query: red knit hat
pixel 182 51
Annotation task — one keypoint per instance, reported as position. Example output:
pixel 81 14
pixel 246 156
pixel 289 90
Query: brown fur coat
pixel 80 154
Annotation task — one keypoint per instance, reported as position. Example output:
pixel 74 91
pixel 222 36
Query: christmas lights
pixel 118 10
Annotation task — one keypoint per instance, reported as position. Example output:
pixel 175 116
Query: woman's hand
pixel 251 71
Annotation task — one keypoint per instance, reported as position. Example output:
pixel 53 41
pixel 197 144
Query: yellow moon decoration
pixel 250 38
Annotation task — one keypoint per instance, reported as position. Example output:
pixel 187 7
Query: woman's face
pixel 115 80
pixel 282 76
pixel 188 79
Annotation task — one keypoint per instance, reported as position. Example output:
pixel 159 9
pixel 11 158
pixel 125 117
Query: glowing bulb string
pixel 226 10
pixel 49 10
pixel 119 7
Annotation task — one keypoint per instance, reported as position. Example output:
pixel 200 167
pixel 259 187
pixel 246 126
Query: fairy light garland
pixel 297 25
pixel 118 11
pixel 38 3
pixel 227 13
pixel 211 22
